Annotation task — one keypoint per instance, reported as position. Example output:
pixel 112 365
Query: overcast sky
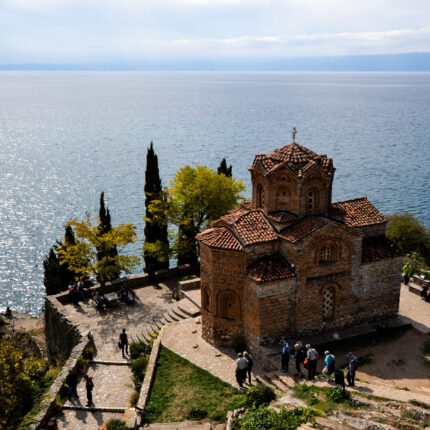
pixel 74 31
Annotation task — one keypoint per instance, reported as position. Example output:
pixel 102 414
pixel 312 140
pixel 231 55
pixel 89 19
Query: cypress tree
pixel 104 227
pixel 154 231
pixel 187 245
pixel 223 169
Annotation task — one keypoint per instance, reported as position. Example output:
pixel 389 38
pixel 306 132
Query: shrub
pixel 134 398
pixel 2 322
pixel 196 413
pixel 138 369
pixel 88 353
pixel 239 344
pixel 139 348
pixel 82 362
pixel 116 424
pixel 338 395
pixel 58 402
pixel 259 395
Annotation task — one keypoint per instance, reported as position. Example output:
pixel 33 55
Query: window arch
pixel 260 196
pixel 229 305
pixel 327 254
pixel 328 304
pixel 205 298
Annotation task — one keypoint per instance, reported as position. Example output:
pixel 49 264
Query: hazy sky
pixel 72 31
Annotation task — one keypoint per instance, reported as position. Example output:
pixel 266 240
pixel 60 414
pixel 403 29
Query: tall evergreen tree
pixel 57 276
pixel 156 245
pixel 104 227
pixel 223 169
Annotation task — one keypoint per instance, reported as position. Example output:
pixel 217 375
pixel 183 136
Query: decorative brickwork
pixel 290 262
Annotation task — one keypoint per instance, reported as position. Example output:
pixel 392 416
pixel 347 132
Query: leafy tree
pixel 81 257
pixel 223 169
pixel 409 234
pixel 156 245
pixel 195 198
pixel 19 377
pixel 106 251
pixel 57 276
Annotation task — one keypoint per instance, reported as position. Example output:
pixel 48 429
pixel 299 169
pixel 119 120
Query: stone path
pixel 414 310
pixel 113 384
pixel 184 338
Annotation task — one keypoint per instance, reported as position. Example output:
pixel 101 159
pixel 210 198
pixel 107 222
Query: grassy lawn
pixel 180 386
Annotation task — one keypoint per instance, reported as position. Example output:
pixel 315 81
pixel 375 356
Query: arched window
pixel 228 305
pixel 311 201
pixel 260 196
pixel 328 304
pixel 206 300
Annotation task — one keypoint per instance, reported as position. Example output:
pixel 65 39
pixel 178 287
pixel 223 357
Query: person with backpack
pixel 248 356
pixel 329 365
pixel 352 367
pixel 285 358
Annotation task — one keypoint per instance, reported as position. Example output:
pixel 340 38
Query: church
pixel 290 262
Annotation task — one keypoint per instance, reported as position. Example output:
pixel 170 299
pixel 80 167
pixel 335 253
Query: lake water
pixel 67 136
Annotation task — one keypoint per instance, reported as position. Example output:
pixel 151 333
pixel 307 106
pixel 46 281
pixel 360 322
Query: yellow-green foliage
pixel 81 257
pixel 20 380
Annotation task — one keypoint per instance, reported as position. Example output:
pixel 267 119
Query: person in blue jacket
pixel 285 359
pixel 352 367
pixel 329 364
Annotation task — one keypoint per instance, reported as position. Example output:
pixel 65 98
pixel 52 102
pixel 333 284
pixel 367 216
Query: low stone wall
pixel 420 281
pixel 133 282
pixel 58 388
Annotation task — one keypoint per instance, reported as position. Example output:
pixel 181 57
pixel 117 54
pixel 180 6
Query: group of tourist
pixel 76 291
pixel 244 364
pixel 308 357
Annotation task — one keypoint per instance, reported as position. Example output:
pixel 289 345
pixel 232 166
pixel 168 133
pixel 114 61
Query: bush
pixel 239 344
pixel 82 362
pixel 259 395
pixel 139 348
pixel 196 413
pixel 134 398
pixel 88 353
pixel 116 424
pixel 138 369
pixel 338 395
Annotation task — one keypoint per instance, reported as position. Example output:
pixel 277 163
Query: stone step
pixel 168 318
pixel 188 308
pixel 185 425
pixel 194 296
pixel 94 409
pixel 179 313
pixel 172 315
pixel 158 324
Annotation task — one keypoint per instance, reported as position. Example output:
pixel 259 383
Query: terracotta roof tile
pixel 282 217
pixel 303 228
pixel 296 156
pixel 359 212
pixel 221 238
pixel 378 248
pixel 270 268
pixel 252 227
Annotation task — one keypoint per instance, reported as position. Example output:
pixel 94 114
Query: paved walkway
pixel 184 338
pixel 414 310
pixel 113 385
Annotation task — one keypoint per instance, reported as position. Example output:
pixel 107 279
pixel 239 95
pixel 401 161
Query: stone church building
pixel 290 262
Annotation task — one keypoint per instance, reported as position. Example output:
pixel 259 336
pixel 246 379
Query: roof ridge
pixel 351 200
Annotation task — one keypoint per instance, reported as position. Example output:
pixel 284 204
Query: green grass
pixel 180 387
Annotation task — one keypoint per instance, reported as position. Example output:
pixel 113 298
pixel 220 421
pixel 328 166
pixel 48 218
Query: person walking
pixel 285 357
pixel 89 385
pixel 352 367
pixel 312 356
pixel 72 382
pixel 248 356
pixel 407 272
pixel 329 365
pixel 241 366
pixel 299 358
pixel 123 340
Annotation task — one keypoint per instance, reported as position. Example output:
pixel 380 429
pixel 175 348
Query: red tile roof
pixel 359 212
pixel 303 228
pixel 253 227
pixel 295 156
pixel 270 268
pixel 378 248
pixel 221 238
pixel 282 217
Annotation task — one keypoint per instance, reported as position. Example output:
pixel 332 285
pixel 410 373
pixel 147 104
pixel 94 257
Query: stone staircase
pixel 185 425
pixel 177 311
